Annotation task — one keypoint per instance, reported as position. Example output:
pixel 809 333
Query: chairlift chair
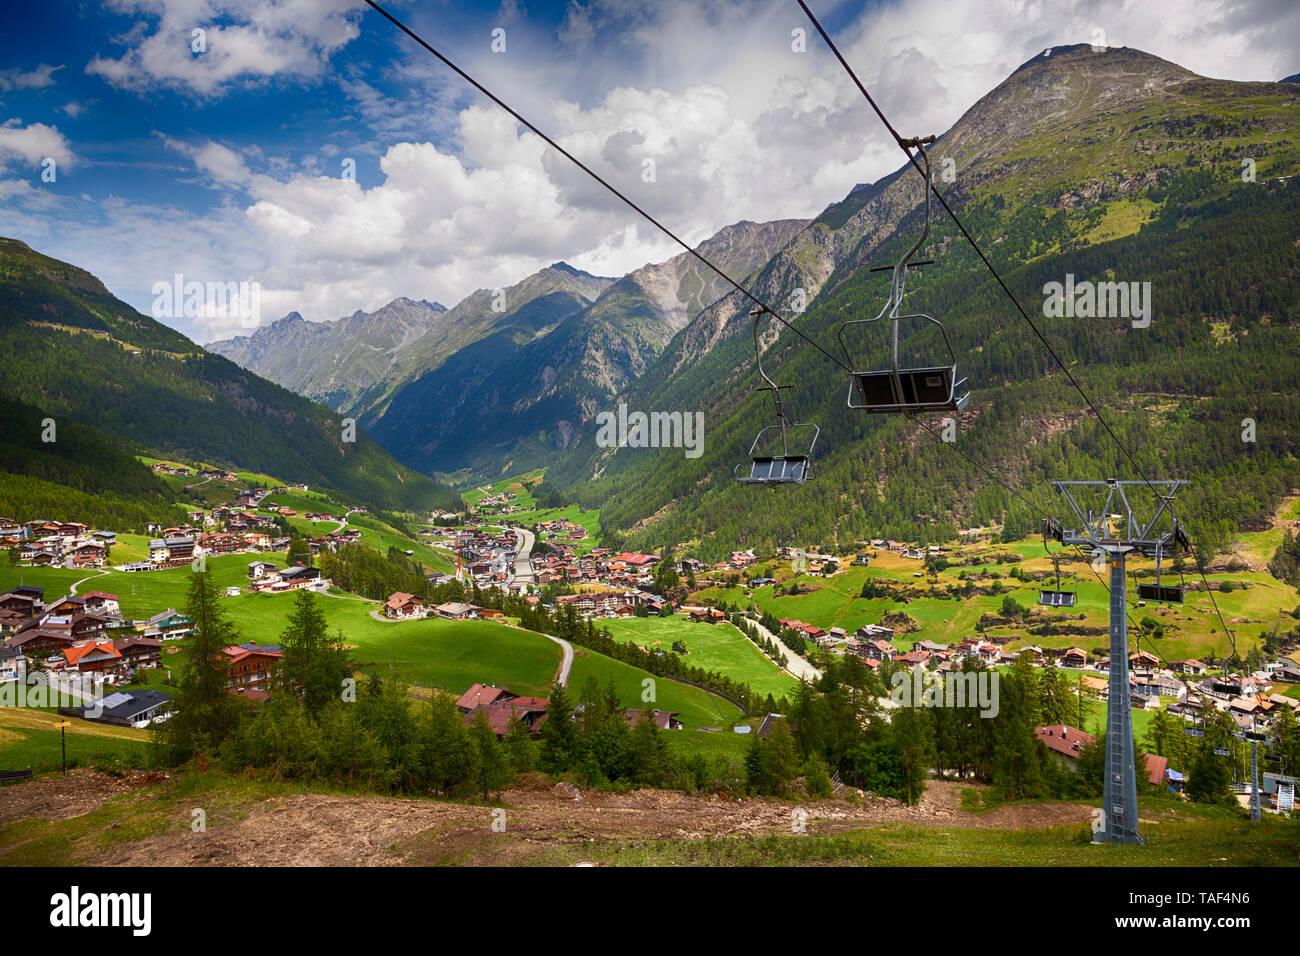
pixel 1165 593
pixel 771 469
pixel 1058 597
pixel 894 389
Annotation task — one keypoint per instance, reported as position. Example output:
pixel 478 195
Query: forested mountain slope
pixel 79 354
pixel 1112 165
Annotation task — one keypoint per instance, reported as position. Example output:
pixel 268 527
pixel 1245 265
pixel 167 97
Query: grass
pixel 697 707
pixel 29 739
pixel 716 647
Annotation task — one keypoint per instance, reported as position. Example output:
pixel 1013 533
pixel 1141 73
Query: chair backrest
pixel 919 386
pixel 1161 593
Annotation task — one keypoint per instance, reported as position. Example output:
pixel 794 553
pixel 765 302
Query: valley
pixel 370 584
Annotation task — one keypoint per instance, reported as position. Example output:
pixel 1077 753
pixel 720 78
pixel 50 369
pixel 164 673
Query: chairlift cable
pixel 906 146
pixel 586 169
pixel 1007 487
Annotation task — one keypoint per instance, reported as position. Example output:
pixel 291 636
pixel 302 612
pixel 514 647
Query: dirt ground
pixel 326 830
pixel 56 797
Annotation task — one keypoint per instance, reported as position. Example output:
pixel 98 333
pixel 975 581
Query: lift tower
pixel 1115 532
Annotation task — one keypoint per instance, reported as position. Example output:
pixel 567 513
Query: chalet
pixel 913 658
pixel 29 600
pixel 1094 685
pixel 481 694
pixel 89 555
pixel 67 605
pixel 401 606
pixel 298 577
pixel 1066 742
pixel 10 659
pixel 262 571
pixel 708 615
pixel 1192 666
pixel 879 650
pixel 252 665
pixel 101 602
pixel 168 625
pixel 138 708
pixel 500 707
pixel 1074 657
pixel 456 611
pixel 1288 672
pixel 137 651
pixel 172 549
pixel 91 657
pixel 40 640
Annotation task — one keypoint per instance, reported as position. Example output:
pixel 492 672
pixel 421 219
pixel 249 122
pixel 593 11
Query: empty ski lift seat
pixel 776 470
pixel 1056 598
pixel 782 469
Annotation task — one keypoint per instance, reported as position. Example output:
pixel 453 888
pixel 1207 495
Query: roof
pixel 75 654
pixel 400 598
pixel 1064 739
pixel 498 718
pixel 454 607
pixel 480 694
pixel 239 652
pixel 1156 767
pixel 128 706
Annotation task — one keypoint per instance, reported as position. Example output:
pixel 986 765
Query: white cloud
pixel 738 124
pixel 37 79
pixel 32 144
pixel 243 41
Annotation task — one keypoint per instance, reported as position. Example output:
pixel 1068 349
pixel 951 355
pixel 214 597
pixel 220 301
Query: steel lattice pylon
pixel 1116 533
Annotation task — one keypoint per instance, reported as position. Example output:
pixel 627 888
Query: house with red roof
pixel 1068 743
pixel 91 657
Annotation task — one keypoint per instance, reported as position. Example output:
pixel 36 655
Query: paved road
pixel 567 664
pixel 72 588
pixel 524 541
pixel 797 666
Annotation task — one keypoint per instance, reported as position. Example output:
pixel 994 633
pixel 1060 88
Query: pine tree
pixel 204 714
pixel 780 761
pixel 558 733
pixel 315 665
pixel 492 772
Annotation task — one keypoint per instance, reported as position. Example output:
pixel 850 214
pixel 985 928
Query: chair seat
pixel 777 469
pixel 1056 598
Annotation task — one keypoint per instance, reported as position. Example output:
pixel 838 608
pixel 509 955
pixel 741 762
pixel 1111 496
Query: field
pixel 715 647
pixel 1256 603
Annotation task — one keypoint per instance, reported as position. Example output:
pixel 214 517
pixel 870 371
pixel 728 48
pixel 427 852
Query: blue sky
pixel 226 164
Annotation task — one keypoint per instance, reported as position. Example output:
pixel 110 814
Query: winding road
pixel 524 541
